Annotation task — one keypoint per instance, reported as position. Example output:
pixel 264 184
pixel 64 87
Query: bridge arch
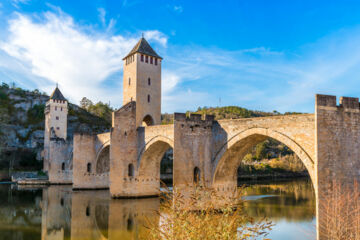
pixel 103 158
pixel 230 155
pixel 150 156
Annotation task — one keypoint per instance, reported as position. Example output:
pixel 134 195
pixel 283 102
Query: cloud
pixel 16 3
pixel 264 79
pixel 57 50
pixel 102 15
pixel 157 36
pixel 178 9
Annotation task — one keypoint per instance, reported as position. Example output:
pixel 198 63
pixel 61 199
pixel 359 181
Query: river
pixel 57 212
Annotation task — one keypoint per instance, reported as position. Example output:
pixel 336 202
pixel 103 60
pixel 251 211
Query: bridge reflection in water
pixel 67 214
pixel 73 215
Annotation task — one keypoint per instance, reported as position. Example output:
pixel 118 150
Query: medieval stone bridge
pixel 127 160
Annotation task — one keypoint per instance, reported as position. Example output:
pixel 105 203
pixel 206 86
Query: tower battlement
pixel 330 101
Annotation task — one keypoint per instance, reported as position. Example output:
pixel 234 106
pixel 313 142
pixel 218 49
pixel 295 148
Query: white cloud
pixel 16 3
pixel 102 15
pixel 169 82
pixel 264 79
pixel 157 36
pixel 178 9
pixel 56 50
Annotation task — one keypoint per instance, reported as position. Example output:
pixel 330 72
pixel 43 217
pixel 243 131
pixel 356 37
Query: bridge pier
pixel 337 151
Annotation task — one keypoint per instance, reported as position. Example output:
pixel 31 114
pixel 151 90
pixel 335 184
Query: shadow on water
pixel 57 212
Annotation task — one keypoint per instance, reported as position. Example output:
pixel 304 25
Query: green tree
pixel 86 103
pixel 260 151
pixel 102 110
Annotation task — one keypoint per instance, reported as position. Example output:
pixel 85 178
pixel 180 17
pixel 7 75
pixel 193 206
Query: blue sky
pixel 262 55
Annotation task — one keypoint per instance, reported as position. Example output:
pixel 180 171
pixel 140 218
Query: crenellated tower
pixel 142 83
pixel 56 112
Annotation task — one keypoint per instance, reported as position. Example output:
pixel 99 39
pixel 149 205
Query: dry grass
pixel 204 214
pixel 341 213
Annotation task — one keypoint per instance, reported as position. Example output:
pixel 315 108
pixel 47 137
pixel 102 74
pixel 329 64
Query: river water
pixel 57 212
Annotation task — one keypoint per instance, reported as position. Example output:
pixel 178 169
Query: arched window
pixel 129 81
pixel 131 170
pixel 147 121
pixel 89 167
pixel 149 81
pixel 148 98
pixel 63 166
pixel 196 175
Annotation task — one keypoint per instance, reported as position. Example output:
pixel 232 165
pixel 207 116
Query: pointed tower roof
pixel 144 47
pixel 57 95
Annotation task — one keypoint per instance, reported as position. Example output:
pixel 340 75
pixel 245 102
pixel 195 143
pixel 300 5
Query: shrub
pixel 36 114
pixel 341 213
pixel 204 214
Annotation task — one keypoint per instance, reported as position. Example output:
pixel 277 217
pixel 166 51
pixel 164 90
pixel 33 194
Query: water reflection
pixel 57 212
pixel 291 201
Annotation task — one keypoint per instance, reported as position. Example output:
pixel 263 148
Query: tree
pixel 260 151
pixel 102 110
pixel 85 103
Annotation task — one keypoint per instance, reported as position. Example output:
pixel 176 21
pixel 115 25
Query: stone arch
pixel 103 159
pixel 226 161
pixel 148 121
pixel 150 157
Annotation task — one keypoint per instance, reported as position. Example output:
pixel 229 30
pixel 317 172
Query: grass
pixel 204 214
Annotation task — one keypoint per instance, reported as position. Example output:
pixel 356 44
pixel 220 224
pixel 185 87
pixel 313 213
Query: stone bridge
pixel 210 151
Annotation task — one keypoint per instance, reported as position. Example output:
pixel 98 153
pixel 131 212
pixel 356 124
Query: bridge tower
pixel 56 112
pixel 142 83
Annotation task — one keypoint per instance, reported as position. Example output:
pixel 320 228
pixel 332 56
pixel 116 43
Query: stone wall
pixel 193 138
pixel 337 146
pixel 86 174
pixel 123 153
pixel 61 165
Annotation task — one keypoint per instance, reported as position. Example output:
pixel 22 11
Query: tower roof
pixel 144 47
pixel 57 95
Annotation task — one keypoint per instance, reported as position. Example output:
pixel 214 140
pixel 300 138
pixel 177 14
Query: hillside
pixel 228 112
pixel 22 125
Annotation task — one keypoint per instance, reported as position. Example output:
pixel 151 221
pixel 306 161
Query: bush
pixel 341 213
pixel 36 114
pixel 204 215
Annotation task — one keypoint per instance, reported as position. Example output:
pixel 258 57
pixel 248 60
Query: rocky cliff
pixel 22 126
